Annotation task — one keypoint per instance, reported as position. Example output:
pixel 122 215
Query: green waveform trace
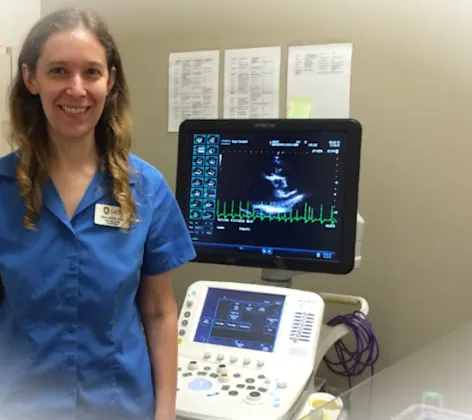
pixel 235 211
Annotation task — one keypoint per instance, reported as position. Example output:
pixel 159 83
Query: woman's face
pixel 73 81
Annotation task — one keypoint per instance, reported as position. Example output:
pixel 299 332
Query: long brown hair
pixel 29 126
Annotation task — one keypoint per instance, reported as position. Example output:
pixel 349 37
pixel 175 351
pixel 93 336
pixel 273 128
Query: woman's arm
pixel 160 316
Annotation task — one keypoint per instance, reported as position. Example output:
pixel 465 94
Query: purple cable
pixel 351 363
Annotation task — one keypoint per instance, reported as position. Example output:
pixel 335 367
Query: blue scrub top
pixel 71 338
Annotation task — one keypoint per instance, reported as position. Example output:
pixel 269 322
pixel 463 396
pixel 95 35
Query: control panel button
pixel 187 314
pixel 222 369
pixel 199 384
pixel 189 303
pixel 223 378
pixel 220 356
pixel 254 397
pixel 207 355
pixel 260 363
pixel 281 384
pixel 233 359
pixel 193 365
pixel 246 360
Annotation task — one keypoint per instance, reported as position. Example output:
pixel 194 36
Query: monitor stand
pixel 328 335
pixel 278 278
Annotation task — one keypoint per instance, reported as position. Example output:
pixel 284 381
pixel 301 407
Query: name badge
pixel 108 216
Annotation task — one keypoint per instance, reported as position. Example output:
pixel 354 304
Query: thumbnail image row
pixel 202 204
pixel 202 214
pixel 199 171
pixel 210 161
pixel 203 192
pixel 205 150
pixel 206 139
pixel 200 182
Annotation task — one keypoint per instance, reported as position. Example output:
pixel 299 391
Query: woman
pixel 88 236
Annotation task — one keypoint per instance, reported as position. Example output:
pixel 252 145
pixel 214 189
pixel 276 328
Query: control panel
pixel 245 351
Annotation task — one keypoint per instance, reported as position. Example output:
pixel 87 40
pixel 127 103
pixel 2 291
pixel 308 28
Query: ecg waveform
pixel 238 211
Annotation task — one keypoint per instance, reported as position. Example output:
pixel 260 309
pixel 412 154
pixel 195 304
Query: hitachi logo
pixel 265 125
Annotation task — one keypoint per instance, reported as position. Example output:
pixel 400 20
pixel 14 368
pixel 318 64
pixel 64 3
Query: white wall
pixel 5 78
pixel 16 18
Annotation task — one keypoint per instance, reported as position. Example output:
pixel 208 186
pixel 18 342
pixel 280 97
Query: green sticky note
pixel 299 108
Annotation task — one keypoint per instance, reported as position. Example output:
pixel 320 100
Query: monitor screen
pixel 240 319
pixel 279 195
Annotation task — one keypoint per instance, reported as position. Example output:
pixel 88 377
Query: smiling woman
pixel 83 267
pixel 70 69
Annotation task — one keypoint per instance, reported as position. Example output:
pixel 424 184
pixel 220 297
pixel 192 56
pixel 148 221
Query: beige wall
pixel 16 17
pixel 411 90
pixel 5 80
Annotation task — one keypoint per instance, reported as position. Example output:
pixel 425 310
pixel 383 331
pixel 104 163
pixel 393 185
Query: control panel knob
pixel 254 397
pixel 222 369
pixel 260 363
pixel 223 378
pixel 246 360
pixel 193 365
pixel 207 355
pixel 233 359
pixel 281 384
pixel 220 356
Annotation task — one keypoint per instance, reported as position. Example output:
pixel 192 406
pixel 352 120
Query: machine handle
pixel 347 300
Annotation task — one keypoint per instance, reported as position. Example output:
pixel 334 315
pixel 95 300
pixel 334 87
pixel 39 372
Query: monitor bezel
pixel 353 130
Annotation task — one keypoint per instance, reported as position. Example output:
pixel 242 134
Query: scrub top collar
pixel 99 188
pixel 9 163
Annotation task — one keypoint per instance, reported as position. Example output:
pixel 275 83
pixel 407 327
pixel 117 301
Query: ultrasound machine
pixel 278 195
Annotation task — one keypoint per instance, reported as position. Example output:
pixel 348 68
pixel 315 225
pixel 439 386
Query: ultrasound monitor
pixel 273 194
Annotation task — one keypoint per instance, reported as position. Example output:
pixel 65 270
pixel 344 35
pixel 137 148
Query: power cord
pixel 354 362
